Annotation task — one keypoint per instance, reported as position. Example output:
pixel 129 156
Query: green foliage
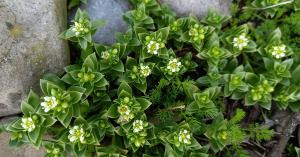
pixel 297 151
pixel 82 30
pixel 73 3
pixel 260 132
pixel 223 132
pixel 165 87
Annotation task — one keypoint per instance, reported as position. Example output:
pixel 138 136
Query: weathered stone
pixel 6 120
pixel 29 47
pixel 112 12
pixel 198 8
pixel 23 151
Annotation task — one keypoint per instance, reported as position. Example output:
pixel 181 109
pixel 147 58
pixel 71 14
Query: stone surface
pixel 112 12
pixel 198 8
pixel 6 120
pixel 23 151
pixel 29 47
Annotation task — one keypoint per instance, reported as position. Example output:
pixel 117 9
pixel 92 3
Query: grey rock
pixel 24 151
pixel 6 120
pixel 29 47
pixel 198 8
pixel 112 12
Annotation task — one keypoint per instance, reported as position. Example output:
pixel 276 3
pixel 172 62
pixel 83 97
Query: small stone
pixel 6 120
pixel 29 47
pixel 198 8
pixel 25 150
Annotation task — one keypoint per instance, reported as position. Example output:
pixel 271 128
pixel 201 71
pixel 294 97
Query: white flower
pixel 278 51
pixel 153 47
pixel 125 113
pixel 76 134
pixel 240 42
pixel 145 70
pixel 138 126
pixel 124 110
pixel 184 136
pixel 174 65
pixel 79 27
pixel 28 124
pixel 126 117
pixel 105 55
pixel 49 103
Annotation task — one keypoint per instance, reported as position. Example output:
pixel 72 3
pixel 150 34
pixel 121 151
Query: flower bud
pixel 148 38
pixel 114 51
pixel 80 75
pixel 133 76
pixel 92 76
pixel 86 78
pixel 223 135
pixel 64 104
pixel 256 96
pixel 53 92
pixel 135 69
pixel 126 100
pixel 34 117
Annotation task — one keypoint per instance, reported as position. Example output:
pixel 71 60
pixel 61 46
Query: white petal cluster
pixel 125 113
pixel 278 51
pixel 138 125
pixel 28 124
pixel 124 110
pixel 105 55
pixel 126 117
pixel 79 27
pixel 49 103
pixel 153 47
pixel 174 65
pixel 76 134
pixel 145 70
pixel 240 42
pixel 109 54
pixel 184 136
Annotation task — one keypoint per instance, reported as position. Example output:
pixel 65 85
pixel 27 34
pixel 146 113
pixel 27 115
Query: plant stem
pixel 271 6
pixel 175 108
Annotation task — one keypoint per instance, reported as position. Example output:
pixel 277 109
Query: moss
pixel 38 54
pixel 15 30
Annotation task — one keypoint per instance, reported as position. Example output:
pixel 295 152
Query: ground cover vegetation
pixel 170 86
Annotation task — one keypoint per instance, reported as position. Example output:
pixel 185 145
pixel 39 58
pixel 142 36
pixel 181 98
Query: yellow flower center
pixel 173 65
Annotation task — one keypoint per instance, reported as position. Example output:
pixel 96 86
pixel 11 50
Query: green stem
pixel 259 17
pixel 271 6
pixel 175 108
